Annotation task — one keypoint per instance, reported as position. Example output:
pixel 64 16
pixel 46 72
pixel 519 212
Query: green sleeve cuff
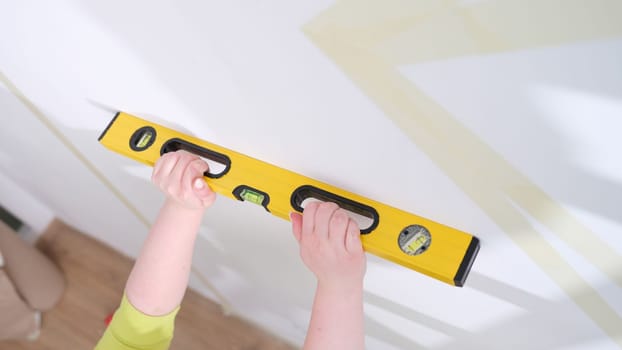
pixel 131 329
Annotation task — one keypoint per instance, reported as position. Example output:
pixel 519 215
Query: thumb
pixel 296 225
pixel 353 238
pixel 203 192
pixel 200 188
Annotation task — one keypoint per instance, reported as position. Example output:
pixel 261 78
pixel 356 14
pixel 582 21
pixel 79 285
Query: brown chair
pixel 29 284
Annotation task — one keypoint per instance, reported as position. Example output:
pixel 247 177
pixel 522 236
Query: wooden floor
pixel 96 276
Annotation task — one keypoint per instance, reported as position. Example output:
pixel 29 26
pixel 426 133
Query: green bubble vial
pixel 144 139
pixel 417 242
pixel 252 196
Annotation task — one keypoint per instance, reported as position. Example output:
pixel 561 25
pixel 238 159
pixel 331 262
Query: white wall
pixel 24 205
pixel 480 115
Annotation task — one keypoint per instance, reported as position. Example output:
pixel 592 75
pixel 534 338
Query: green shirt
pixel 131 329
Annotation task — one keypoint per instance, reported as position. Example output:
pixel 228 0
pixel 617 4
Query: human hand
pixel 180 176
pixel 330 245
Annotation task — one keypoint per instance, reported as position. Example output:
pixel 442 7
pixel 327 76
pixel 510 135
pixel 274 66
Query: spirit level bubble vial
pixel 436 250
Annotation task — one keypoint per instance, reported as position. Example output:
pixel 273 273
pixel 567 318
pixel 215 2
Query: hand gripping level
pixel 417 243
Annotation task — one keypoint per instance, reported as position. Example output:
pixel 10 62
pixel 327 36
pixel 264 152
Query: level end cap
pixel 467 262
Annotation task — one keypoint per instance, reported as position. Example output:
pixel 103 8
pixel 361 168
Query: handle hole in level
pixel 219 164
pixel 362 220
pixel 365 216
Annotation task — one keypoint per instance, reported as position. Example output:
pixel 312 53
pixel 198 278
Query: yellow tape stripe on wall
pixel 368 39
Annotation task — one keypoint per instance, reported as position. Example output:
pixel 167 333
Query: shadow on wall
pixel 492 182
pixel 544 325
pixel 545 320
pixel 581 102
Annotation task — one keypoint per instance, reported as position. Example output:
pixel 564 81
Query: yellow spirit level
pixel 423 245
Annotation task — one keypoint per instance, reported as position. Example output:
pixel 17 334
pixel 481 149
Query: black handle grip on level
pixel 173 145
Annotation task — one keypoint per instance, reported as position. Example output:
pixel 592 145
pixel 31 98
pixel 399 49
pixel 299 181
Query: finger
pixel 200 187
pixel 353 238
pixel 176 179
pixel 322 219
pixel 193 181
pixel 164 166
pixel 308 219
pixel 201 167
pixel 160 165
pixel 337 228
pixel 156 170
pixel 296 220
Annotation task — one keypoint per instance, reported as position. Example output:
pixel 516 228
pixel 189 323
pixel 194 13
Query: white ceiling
pixel 504 130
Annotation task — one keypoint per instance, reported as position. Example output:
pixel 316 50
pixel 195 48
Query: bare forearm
pixel 159 278
pixel 336 320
